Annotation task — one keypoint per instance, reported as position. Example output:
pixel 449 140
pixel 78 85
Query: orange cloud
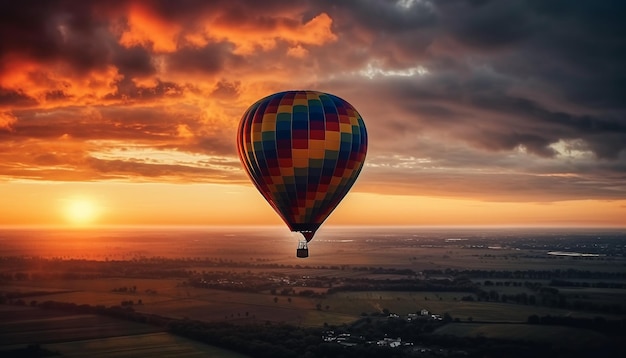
pixel 248 34
pixel 57 83
pixel 297 51
pixel 7 119
pixel 149 30
pixel 253 36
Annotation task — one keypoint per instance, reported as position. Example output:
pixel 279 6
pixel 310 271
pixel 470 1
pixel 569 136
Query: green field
pixel 171 299
pixel 353 303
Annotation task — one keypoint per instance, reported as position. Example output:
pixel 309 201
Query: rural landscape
pixel 240 292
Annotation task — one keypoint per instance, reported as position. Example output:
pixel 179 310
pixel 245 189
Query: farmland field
pixel 218 305
pixel 561 336
pixel 159 345
pixel 73 335
pixel 494 278
pixel 411 302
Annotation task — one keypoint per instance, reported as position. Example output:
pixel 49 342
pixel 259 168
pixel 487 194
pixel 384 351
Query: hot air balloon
pixel 303 150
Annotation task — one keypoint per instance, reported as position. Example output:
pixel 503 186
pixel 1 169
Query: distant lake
pixel 574 254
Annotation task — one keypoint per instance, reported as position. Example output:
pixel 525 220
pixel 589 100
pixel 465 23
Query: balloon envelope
pixel 303 150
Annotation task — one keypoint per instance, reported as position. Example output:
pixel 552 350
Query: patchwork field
pixel 77 335
pixel 410 302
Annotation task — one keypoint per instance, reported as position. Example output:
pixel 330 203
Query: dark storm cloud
pixel 13 98
pixel 486 24
pixel 54 30
pixel 74 36
pixel 575 49
pixel 56 95
pixel 497 68
pixel 235 10
pixel 226 90
pixel 451 169
pixel 208 59
pixel 133 61
pixel 383 17
pixel 128 90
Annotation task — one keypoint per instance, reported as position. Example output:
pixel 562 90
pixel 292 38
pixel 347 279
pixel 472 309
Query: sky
pixel 478 112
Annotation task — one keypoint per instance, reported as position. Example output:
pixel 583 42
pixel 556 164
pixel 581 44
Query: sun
pixel 81 212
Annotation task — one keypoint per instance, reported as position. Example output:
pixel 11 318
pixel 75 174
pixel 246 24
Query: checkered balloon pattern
pixel 303 150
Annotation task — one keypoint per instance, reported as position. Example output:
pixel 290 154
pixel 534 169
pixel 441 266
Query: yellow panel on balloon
pixel 269 117
pixel 317 153
pixel 301 162
pixel 333 140
pixel 287 171
pixel 284 109
pixel 345 127
pixel 300 154
pixel 312 95
pixel 317 144
pixel 300 102
pixel 269 126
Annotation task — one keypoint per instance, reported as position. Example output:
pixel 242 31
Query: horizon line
pixel 278 226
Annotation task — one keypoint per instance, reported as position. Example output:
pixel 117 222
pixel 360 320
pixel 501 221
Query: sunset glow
pixel 81 212
pixel 135 104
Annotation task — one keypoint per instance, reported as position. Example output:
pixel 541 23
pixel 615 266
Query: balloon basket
pixel 303 250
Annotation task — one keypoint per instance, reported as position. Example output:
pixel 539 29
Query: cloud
pixel 7 120
pixel 453 170
pixel 15 98
pixel 209 59
pixel 490 99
